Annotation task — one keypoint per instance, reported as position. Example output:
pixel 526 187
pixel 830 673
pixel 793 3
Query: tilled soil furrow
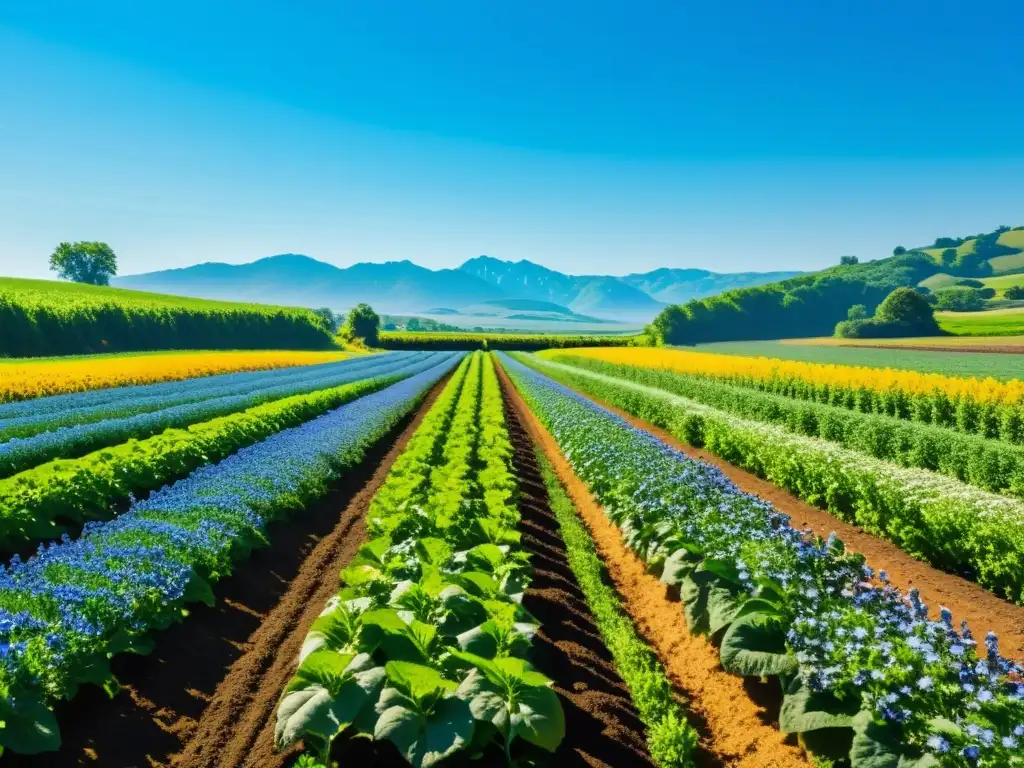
pixel 735 729
pixel 237 728
pixel 601 723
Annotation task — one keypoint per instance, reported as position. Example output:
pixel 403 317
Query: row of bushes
pixel 41 329
pixel 525 342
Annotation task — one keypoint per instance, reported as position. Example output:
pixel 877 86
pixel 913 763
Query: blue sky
pixel 588 136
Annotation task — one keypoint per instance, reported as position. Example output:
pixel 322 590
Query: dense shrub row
pixel 32 326
pixel 485 341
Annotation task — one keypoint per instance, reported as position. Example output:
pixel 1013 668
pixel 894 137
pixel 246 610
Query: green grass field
pixel 963 249
pixel 1014 238
pixel 1012 262
pixel 53 292
pixel 991 322
pixel 979 364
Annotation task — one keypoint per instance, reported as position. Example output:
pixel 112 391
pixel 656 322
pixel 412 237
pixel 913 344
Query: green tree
pixel 362 323
pixel 1014 292
pixel 948 257
pixel 906 307
pixel 969 283
pixel 413 324
pixel 857 312
pixel 327 318
pixel 93 263
pixel 848 261
pixel 899 250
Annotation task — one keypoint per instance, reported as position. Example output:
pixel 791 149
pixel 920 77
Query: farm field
pixel 618 556
pixel 997 365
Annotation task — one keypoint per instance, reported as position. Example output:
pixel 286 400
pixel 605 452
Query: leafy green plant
pixel 436 592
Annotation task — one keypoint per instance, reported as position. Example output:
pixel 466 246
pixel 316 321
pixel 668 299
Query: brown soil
pixel 736 731
pixel 601 724
pixel 213 680
pixel 983 610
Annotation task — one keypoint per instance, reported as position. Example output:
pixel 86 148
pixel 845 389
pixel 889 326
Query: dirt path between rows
pixel 236 729
pixel 211 684
pixel 983 610
pixel 601 724
pixel 736 731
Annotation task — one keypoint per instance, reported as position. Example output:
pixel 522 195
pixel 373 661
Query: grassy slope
pixel 980 364
pixel 992 322
pixel 53 291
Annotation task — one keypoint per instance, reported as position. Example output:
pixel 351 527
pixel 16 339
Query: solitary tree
pixel 857 312
pixel 948 257
pixel 899 250
pixel 848 261
pixel 93 263
pixel 907 308
pixel 362 323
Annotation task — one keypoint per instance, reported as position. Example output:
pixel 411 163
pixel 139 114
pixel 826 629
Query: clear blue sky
pixel 588 136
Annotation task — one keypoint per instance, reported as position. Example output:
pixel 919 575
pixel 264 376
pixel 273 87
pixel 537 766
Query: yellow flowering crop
pixel 23 379
pixel 815 375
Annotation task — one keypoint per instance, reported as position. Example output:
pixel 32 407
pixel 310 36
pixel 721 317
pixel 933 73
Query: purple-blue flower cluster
pixel 79 432
pixel 852 634
pixel 65 609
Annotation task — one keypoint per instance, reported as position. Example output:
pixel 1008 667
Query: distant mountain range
pixel 403 287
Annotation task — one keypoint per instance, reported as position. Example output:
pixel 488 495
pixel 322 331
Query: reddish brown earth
pixel 983 610
pixel 736 730
pixel 220 671
pixel 601 724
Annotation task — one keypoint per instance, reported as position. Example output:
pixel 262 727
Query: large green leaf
pixel 29 726
pixel 402 640
pixel 806 710
pixel 874 745
pixel 327 695
pixel 754 646
pixel 722 607
pixel 676 566
pixel 424 737
pixel 517 700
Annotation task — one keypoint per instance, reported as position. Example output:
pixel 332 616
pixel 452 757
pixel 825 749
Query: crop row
pixel 20 453
pixel 867 676
pixel 33 379
pixel 67 610
pixel 43 414
pixel 985 407
pixel 425 645
pixel 34 502
pixel 992 465
pixel 485 341
pixel 949 524
pixel 671 740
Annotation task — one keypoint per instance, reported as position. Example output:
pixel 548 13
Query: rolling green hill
pixel 46 317
pixel 811 305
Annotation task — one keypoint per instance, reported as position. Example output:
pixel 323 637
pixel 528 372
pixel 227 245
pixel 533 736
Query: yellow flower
pixel 24 379
pixel 759 370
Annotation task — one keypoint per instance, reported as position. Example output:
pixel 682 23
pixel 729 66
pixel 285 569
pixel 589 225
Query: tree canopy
pixel 84 262
pixel 362 323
